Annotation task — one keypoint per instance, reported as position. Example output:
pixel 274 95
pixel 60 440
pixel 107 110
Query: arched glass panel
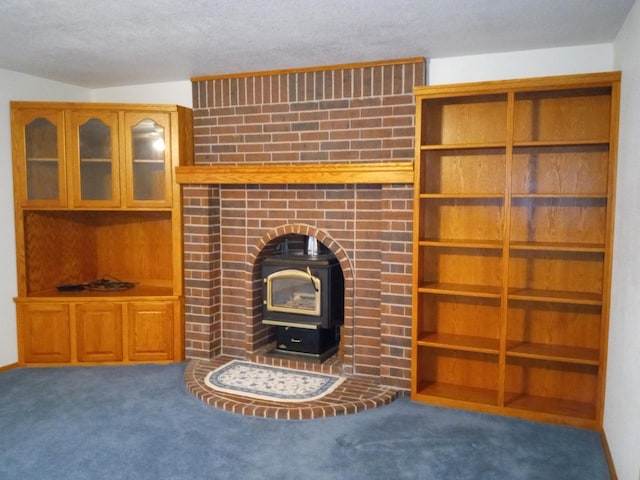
pixel 96 162
pixel 43 165
pixel 148 154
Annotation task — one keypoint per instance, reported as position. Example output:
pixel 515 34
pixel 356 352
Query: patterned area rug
pixel 266 382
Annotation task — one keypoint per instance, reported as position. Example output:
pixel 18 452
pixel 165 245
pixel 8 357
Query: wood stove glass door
pixel 293 291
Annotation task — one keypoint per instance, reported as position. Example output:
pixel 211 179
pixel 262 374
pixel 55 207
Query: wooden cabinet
pixel 147 177
pixel 151 330
pixel 87 331
pixel 94 155
pixel 37 138
pixel 513 227
pixel 93 149
pixel 44 333
pixel 99 332
pixel 96 197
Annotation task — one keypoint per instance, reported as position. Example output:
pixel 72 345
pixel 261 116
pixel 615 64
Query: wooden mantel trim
pixel 307 173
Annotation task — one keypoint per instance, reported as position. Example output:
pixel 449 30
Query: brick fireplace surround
pixel 359 113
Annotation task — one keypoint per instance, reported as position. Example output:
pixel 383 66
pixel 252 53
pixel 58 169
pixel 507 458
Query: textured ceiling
pixel 102 43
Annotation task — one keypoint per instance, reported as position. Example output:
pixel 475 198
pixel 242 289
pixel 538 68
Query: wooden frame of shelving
pixel 513 227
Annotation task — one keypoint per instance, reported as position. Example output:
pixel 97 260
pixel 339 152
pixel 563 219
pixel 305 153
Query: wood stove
pixel 303 297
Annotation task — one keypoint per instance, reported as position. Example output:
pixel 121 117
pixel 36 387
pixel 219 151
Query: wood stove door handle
pixel 313 279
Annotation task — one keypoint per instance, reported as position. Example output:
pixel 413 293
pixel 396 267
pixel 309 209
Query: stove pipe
pixel 312 246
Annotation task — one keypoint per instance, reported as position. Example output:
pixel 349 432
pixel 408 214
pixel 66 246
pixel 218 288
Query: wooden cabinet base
pixel 151 331
pixel 99 331
pixel 44 333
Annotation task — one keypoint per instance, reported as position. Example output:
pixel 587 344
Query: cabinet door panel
pixel 99 332
pixel 39 157
pixel 45 334
pixel 150 331
pixel 148 147
pixel 92 144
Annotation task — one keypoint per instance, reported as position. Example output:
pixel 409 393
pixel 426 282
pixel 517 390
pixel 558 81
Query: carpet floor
pixel 139 422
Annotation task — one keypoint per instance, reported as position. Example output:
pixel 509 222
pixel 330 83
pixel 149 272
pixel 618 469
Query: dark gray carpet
pixel 139 422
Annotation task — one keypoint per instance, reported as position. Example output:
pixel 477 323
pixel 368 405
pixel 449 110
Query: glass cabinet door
pixel 148 162
pixel 93 152
pixel 38 143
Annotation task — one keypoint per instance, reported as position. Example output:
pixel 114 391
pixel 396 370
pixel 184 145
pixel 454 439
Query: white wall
pixel 174 93
pixel 16 86
pixel 622 409
pixel 521 64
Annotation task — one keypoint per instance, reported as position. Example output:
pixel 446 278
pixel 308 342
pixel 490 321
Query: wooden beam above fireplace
pixel 302 173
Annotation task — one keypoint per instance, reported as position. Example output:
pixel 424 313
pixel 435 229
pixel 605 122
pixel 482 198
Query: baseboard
pixel 607 454
pixel 11 366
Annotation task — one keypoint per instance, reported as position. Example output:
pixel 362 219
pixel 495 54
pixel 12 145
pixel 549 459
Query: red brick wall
pixel 357 113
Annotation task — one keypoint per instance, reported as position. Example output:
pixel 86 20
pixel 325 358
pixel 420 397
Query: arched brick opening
pixel 260 335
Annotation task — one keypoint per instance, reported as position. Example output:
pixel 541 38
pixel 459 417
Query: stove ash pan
pixel 302 291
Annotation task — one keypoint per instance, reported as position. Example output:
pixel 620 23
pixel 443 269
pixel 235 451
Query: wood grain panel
pixel 466 266
pixel 150 331
pixel 456 315
pixel 552 380
pixel 566 220
pixel 461 219
pixel 561 170
pixel 59 248
pixel 449 367
pixel 556 271
pixel 479 171
pixel 471 119
pixel 135 247
pixel 554 324
pixel 45 333
pixel 562 115
pixel 99 332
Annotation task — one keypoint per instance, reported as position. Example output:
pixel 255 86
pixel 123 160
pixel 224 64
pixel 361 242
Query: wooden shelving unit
pixel 95 196
pixel 513 226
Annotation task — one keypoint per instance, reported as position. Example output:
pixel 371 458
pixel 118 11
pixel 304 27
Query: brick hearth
pixel 343 114
pixel 354 395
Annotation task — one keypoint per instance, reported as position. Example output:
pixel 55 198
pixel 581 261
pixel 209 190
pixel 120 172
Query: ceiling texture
pixel 106 43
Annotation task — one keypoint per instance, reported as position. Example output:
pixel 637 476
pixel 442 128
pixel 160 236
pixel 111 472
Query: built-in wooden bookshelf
pixel 513 227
